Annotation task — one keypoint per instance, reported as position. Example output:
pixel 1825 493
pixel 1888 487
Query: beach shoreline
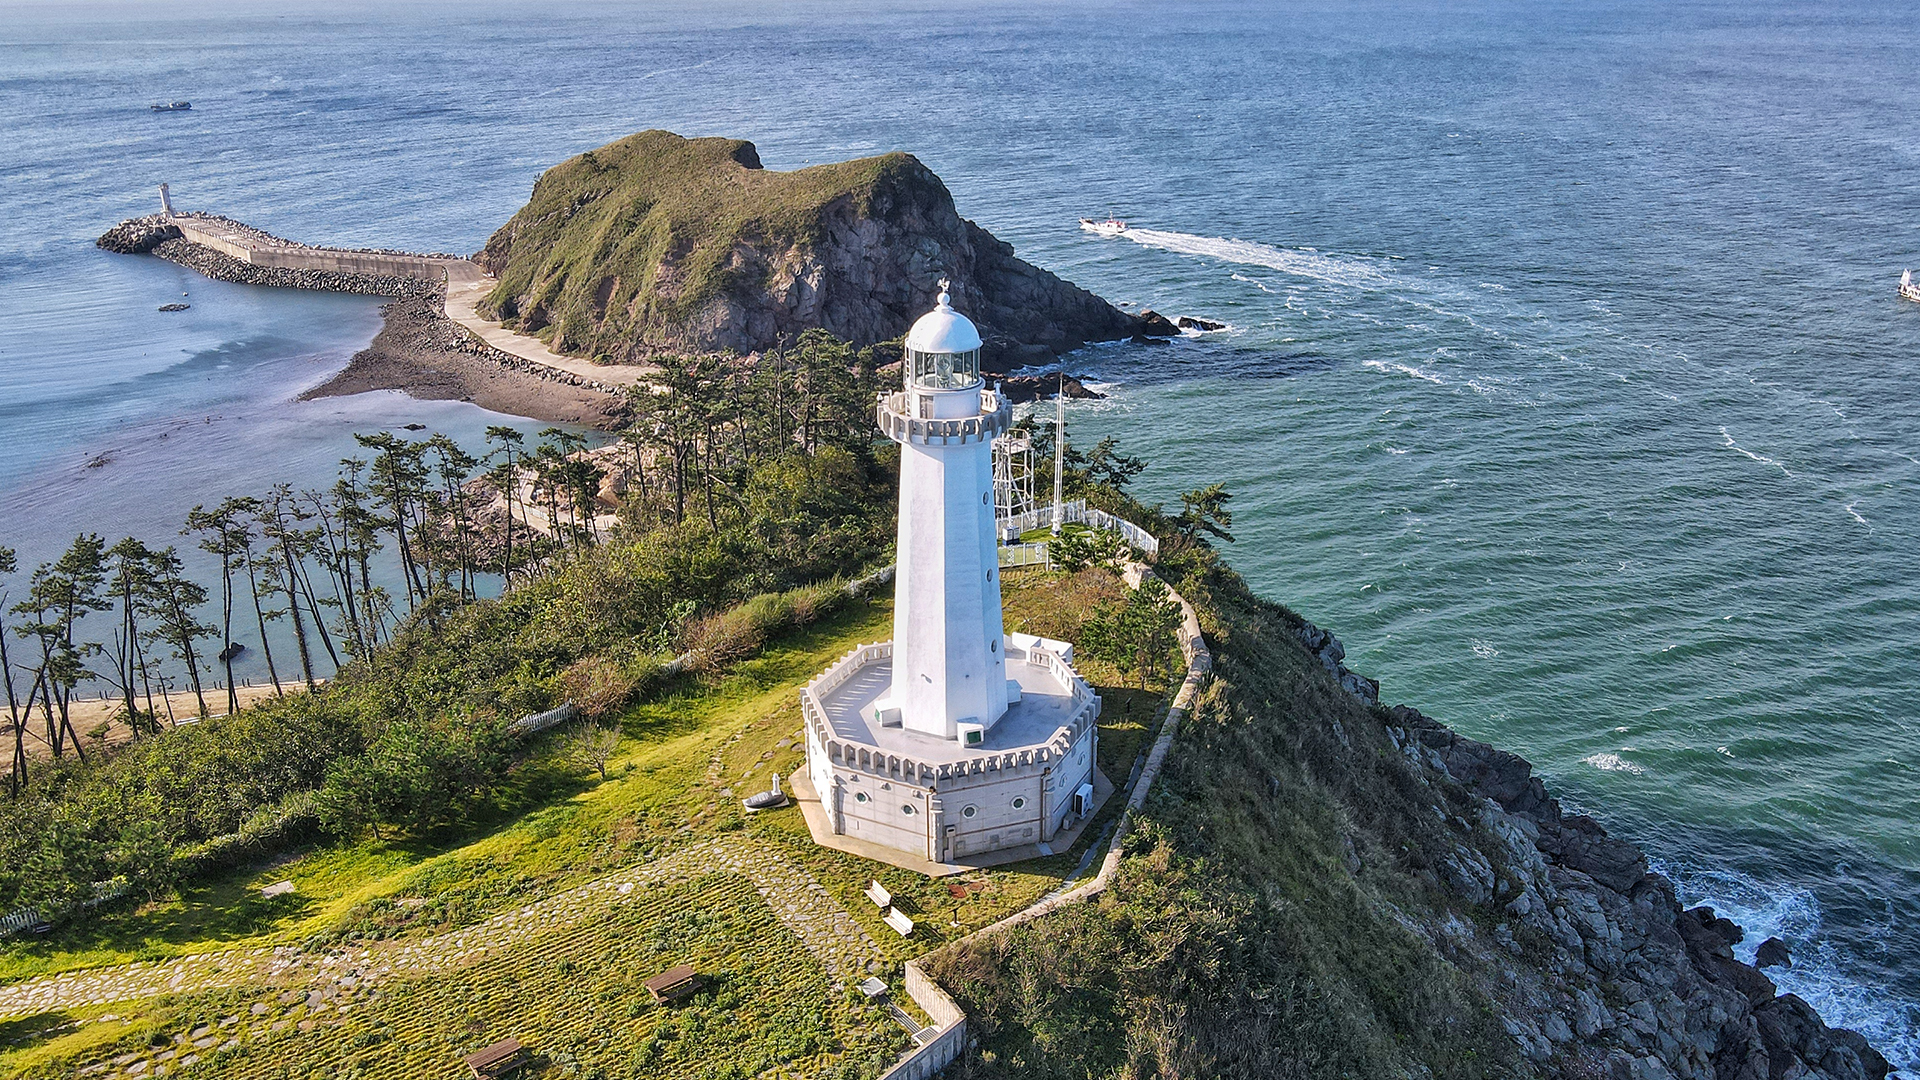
pixel 433 344
pixel 425 355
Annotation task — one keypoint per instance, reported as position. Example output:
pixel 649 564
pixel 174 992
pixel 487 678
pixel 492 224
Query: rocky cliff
pixel 1323 887
pixel 657 243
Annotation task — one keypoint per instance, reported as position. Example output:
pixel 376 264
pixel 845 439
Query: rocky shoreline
pixel 1620 974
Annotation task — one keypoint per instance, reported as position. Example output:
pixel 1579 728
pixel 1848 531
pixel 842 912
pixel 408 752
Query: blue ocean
pixel 1564 374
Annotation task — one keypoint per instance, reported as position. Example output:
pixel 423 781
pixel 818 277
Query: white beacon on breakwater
pixel 954 743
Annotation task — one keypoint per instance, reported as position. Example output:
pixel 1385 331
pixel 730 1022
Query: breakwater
pixel 227 250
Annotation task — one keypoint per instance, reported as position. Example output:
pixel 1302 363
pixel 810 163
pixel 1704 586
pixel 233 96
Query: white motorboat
pixel 1907 288
pixel 1113 226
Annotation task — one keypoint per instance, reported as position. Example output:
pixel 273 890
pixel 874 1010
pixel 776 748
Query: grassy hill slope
pixel 392 957
pixel 657 243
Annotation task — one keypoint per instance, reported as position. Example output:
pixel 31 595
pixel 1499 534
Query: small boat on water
pixel 1907 288
pixel 1113 226
pixel 172 106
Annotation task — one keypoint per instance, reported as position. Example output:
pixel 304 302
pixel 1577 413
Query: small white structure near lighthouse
pixel 954 740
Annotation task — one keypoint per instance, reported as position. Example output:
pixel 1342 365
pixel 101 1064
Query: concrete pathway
pixel 467 285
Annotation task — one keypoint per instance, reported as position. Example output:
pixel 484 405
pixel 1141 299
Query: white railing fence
pixel 1014 555
pixel 1077 512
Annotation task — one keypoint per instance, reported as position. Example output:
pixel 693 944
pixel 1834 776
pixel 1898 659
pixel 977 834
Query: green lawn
pixel 686 758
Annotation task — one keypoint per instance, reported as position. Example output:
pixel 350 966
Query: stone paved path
pixel 805 906
pixel 467 285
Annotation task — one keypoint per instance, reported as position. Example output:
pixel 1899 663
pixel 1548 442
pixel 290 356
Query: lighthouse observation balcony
pixel 1055 709
pixel 895 416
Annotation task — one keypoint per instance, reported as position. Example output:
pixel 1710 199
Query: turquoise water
pixel 1565 378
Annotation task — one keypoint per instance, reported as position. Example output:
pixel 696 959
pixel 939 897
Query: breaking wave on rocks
pixel 1818 973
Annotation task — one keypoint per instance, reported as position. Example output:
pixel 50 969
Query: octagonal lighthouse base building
pixel 953 743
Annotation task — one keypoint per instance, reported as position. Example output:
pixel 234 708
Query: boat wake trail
pixel 1352 271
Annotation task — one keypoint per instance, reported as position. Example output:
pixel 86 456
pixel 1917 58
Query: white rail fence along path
pixel 1077 512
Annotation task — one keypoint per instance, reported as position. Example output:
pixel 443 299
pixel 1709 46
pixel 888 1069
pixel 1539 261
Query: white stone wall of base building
pixel 1025 806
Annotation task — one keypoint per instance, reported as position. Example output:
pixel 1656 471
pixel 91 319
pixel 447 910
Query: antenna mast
pixel 1059 445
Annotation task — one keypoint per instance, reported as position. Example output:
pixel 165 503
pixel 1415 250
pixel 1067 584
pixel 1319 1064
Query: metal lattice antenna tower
pixel 1013 474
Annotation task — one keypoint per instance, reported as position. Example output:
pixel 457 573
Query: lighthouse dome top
pixel 943 330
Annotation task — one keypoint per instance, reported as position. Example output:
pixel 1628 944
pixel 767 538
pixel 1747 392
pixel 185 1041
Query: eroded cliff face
pixel 658 244
pixel 1606 971
pixel 1322 887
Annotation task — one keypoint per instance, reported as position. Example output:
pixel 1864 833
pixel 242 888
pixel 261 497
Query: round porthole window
pixel 970 811
pixel 859 796
pixel 907 809
pixel 1019 802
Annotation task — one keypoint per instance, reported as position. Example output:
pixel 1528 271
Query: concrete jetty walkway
pixel 466 284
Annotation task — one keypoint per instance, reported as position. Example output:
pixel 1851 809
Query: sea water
pixel 1564 377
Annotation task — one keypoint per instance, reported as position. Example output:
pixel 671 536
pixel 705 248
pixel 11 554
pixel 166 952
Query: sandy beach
pixel 91 714
pixel 422 353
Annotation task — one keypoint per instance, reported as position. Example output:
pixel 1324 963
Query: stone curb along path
pixel 949 1038
pixel 801 903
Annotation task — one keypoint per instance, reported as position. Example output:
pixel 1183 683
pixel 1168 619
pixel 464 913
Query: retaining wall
pixel 949 1025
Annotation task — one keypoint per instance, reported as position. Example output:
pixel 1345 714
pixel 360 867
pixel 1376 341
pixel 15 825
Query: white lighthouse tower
pixel 954 744
pixel 949 663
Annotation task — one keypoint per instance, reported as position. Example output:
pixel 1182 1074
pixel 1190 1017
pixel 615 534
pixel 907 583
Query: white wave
pixel 1856 515
pixel 1762 458
pixel 1404 369
pixel 1819 973
pixel 1351 271
pixel 1611 762
pixel 1483 650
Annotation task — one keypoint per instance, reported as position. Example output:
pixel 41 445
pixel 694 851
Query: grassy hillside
pixel 623 244
pixel 392 957
pixel 1275 915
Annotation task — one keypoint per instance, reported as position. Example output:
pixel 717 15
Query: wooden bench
pixel 899 921
pixel 881 898
pixel 673 984
pixel 497 1060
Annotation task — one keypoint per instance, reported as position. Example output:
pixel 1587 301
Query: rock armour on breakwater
pixel 138 236
pixel 223 267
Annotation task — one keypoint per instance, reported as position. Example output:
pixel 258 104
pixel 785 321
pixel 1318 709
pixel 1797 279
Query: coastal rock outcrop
pixel 1020 389
pixel 1154 324
pixel 1327 649
pixel 1628 982
pixel 657 244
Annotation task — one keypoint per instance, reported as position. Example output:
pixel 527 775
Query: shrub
pixel 599 685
